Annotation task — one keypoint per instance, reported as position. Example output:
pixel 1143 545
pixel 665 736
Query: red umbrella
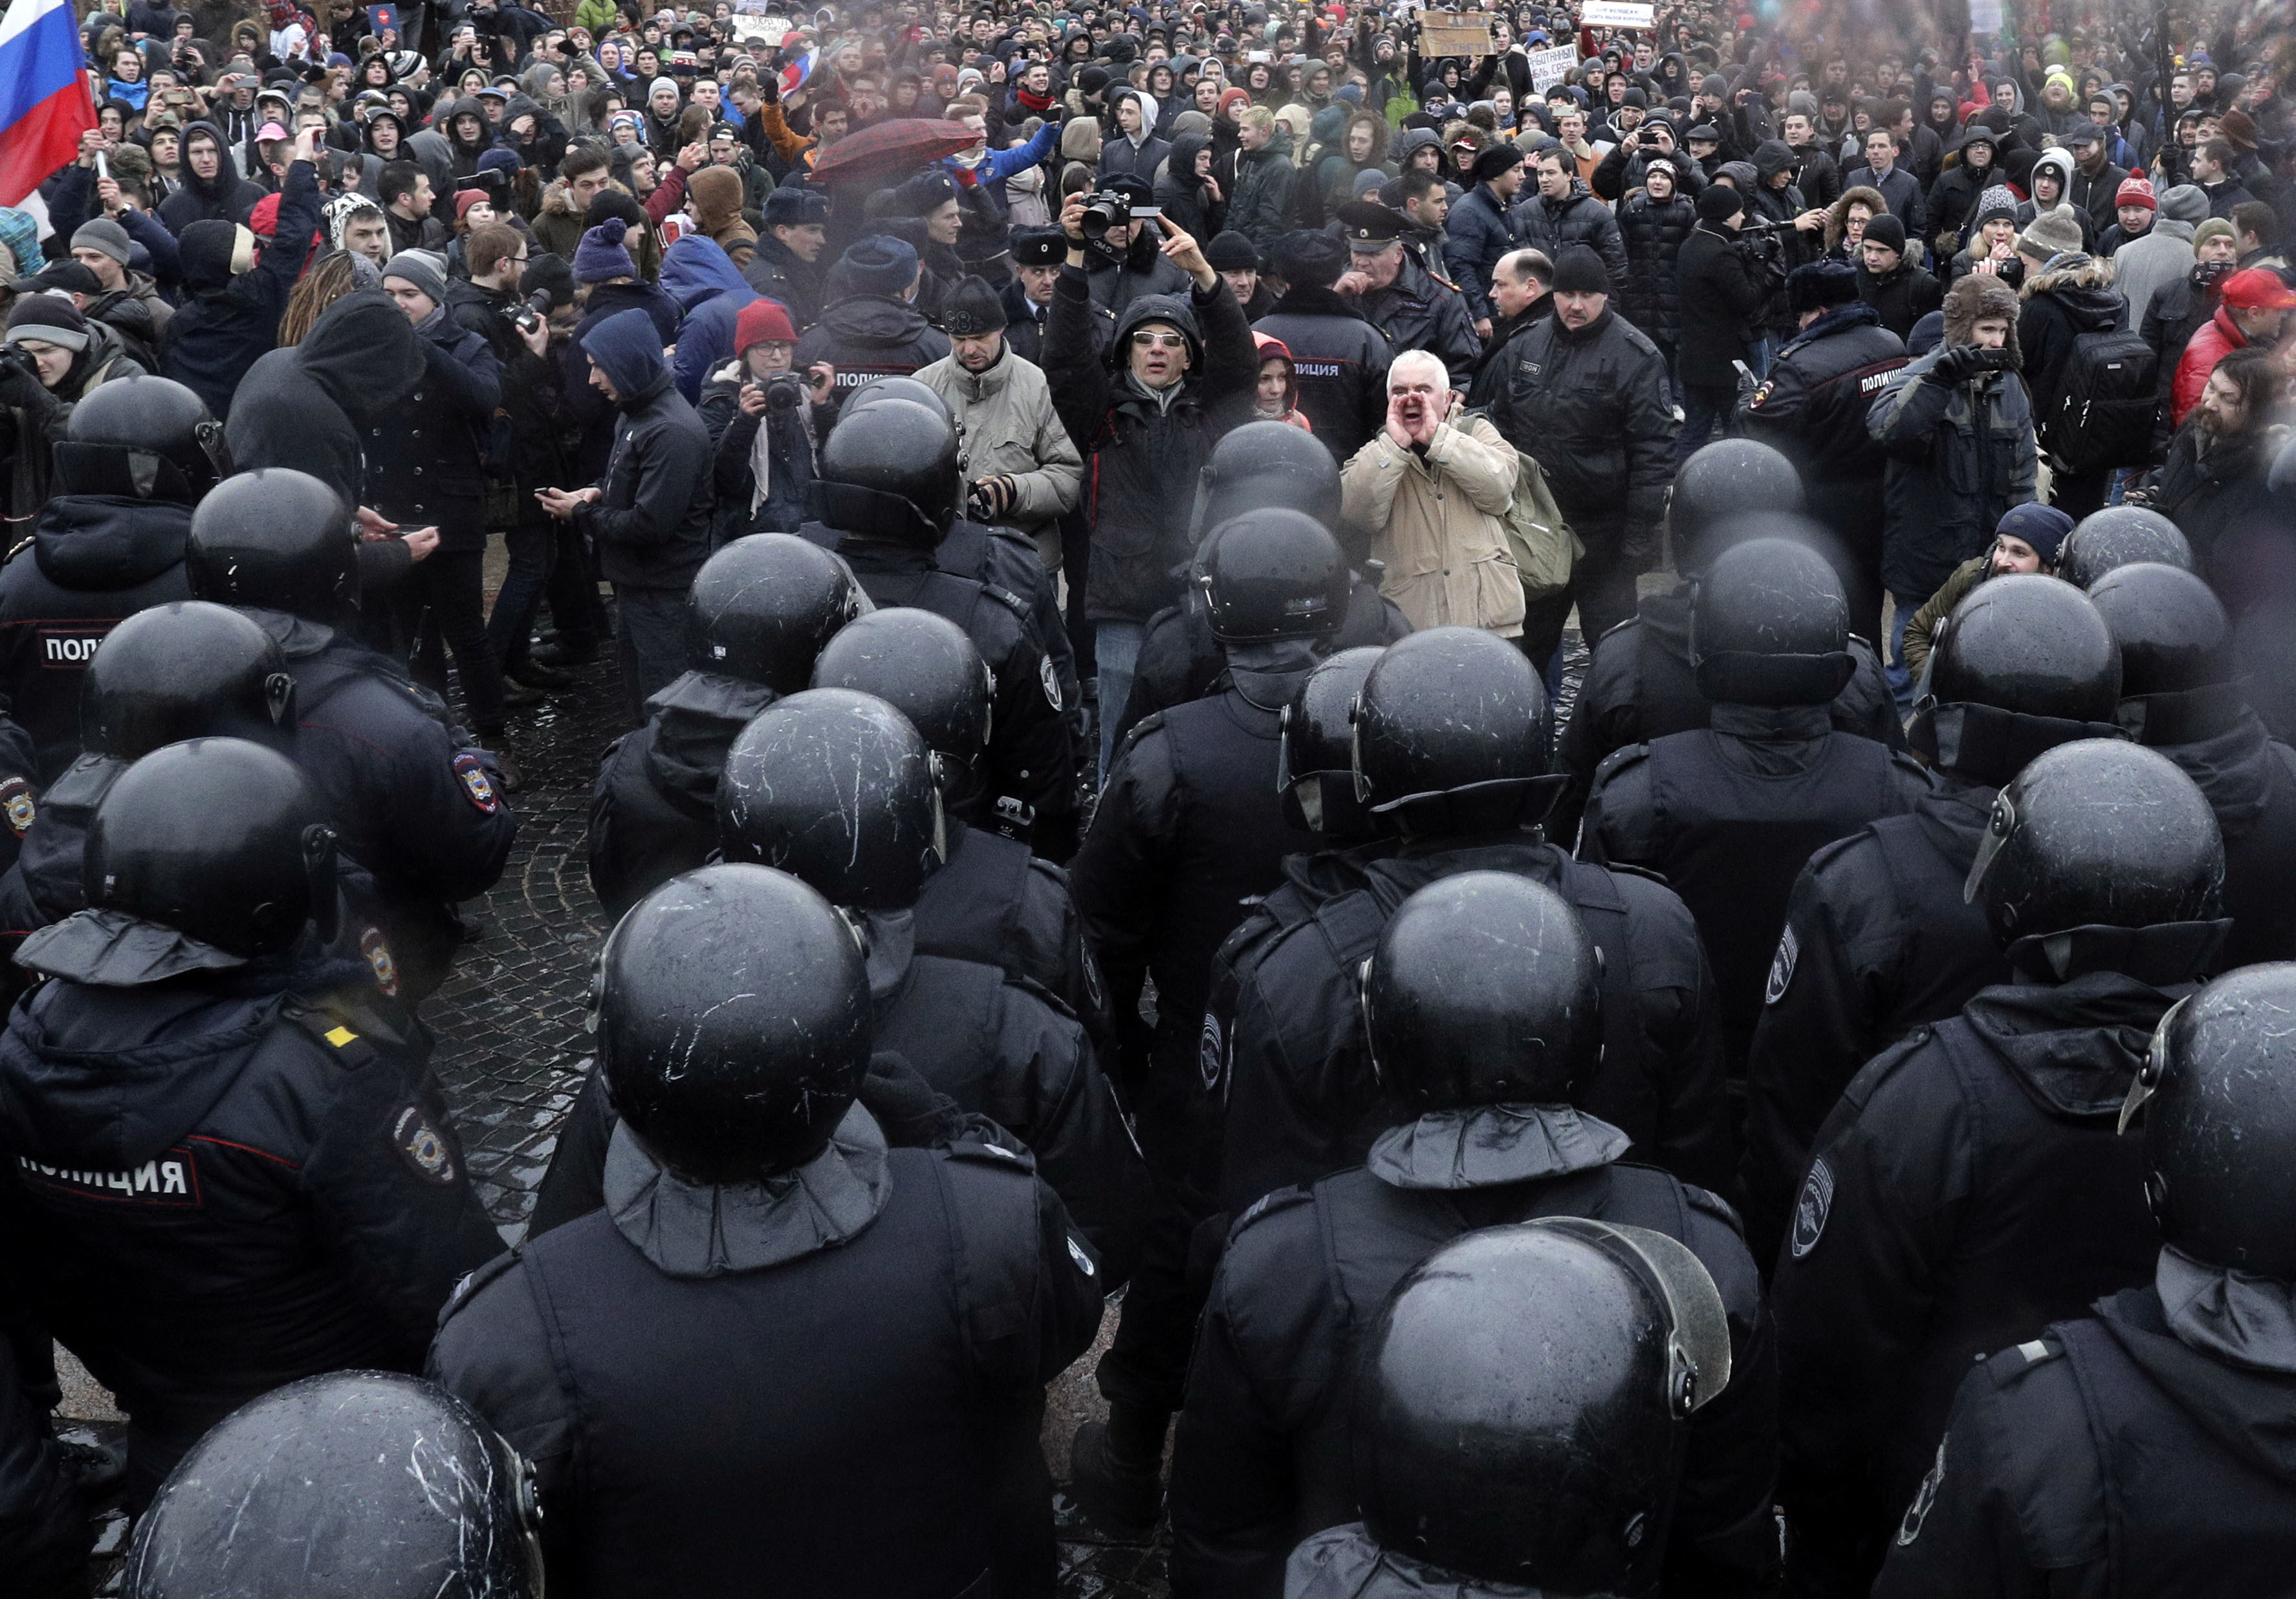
pixel 891 147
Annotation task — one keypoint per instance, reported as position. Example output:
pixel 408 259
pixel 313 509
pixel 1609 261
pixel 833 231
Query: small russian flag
pixel 794 75
pixel 44 99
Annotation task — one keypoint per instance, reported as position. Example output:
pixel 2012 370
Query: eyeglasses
pixel 1158 341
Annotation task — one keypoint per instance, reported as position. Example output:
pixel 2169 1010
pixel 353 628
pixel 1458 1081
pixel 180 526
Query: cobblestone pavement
pixel 512 1048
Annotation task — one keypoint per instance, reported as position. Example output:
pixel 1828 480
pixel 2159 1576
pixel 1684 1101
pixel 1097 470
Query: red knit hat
pixel 2135 191
pixel 465 199
pixel 762 320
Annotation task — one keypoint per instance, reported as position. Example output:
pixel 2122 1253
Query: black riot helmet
pixel 1453 733
pixel 275 539
pixel 1484 989
pixel 924 666
pixel 2117 535
pixel 2022 665
pixel 2218 1092
pixel 766 604
pixel 187 670
pixel 888 471
pixel 1273 574
pixel 218 838
pixel 1263 464
pixel 1729 481
pixel 2177 661
pixel 142 437
pixel 353 1485
pixel 894 387
pixel 2093 840
pixel 1770 626
pixel 1316 771
pixel 733 1022
pixel 1520 1403
pixel 836 788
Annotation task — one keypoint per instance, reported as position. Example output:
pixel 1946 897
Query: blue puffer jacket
pixel 702 279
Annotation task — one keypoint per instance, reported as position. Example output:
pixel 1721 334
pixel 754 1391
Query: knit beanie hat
pixel 1999 202
pixel 973 308
pixel 1719 202
pixel 465 199
pixel 421 269
pixel 880 264
pixel 601 255
pixel 2214 227
pixel 2042 527
pixel 760 322
pixel 2053 233
pixel 1306 255
pixel 499 159
pixel 1231 251
pixel 658 85
pixel 104 234
pixel 2135 191
pixel 1820 286
pixel 1887 231
pixel 50 319
pixel 2185 203
pixel 1579 270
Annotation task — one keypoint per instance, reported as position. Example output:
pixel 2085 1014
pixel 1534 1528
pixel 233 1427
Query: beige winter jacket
pixel 1438 525
pixel 1010 428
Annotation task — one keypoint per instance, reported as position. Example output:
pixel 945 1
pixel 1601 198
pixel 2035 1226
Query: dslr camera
pixel 784 390
pixel 1106 209
pixel 530 313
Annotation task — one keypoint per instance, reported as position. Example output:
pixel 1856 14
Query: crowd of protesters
pixel 994 303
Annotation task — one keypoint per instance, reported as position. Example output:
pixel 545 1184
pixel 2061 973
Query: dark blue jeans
pixel 1702 408
pixel 533 552
pixel 654 639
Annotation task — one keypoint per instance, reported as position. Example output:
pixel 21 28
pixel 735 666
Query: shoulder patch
pixel 380 961
pixel 1050 679
pixel 1812 1209
pixel 17 806
pixel 478 788
pixel 479 1277
pixel 1619 758
pixel 1081 1256
pixel 980 1152
pixel 422 1146
pixel 1782 965
pixel 1211 1053
pixel 1918 1512
pixel 1267 1204
pixel 1708 1202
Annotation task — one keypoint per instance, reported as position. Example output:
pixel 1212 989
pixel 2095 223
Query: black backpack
pixel 2105 403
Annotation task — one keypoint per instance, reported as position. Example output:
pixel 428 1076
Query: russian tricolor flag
pixel 795 74
pixel 44 99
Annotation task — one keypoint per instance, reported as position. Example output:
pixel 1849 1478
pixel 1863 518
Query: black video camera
pixel 1108 210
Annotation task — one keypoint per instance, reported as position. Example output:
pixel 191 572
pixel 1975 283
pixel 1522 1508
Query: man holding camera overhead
pixel 1123 258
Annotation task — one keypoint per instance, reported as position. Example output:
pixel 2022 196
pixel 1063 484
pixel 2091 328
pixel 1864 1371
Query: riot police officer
pixel 1573 1352
pixel 839 1414
pixel 2143 1450
pixel 763 608
pixel 991 900
pixel 1878 936
pixel 235 1166
pixel 1728 814
pixel 1340 358
pixel 837 789
pixel 1640 684
pixel 419 809
pixel 184 669
pixel 2117 537
pixel 2180 694
pixel 1452 732
pixel 1257 466
pixel 1969 1188
pixel 1484 1025
pixel 363 1483
pixel 888 489
pixel 137 456
pixel 1190 821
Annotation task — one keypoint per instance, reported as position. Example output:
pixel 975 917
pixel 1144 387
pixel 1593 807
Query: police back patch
pixel 478 788
pixel 1810 1211
pixel 421 1145
pixel 1782 966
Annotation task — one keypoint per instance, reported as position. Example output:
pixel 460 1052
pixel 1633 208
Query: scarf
pixel 1038 103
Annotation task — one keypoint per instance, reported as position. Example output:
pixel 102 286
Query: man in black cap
pixel 1127 261
pixel 2096 186
pixel 1476 232
pixel 1340 359
pixel 1236 259
pixel 1588 399
pixel 1037 256
pixel 1723 286
pixel 786 265
pixel 1396 294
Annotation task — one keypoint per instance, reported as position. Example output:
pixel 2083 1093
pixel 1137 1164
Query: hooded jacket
pixel 709 287
pixel 227 319
pixel 651 519
pixel 1813 407
pixel 1181 194
pixel 305 406
pixel 1961 453
pixel 714 194
pixel 1259 201
pixel 653 810
pixel 868 336
pixel 226 197
pixel 1136 444
pixel 2144 267
pixel 2075 296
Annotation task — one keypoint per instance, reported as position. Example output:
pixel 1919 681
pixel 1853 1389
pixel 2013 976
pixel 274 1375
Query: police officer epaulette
pixel 1037 991
pixel 1267 1204
pixel 980 1152
pixel 16 549
pixel 477 1278
pixel 1005 597
pixel 1618 760
pixel 1617 627
pixel 1707 1202
pixel 345 1045
pixel 1832 850
pixel 1635 336
pixel 2010 1365
pixel 1875 1071
pixel 1629 869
